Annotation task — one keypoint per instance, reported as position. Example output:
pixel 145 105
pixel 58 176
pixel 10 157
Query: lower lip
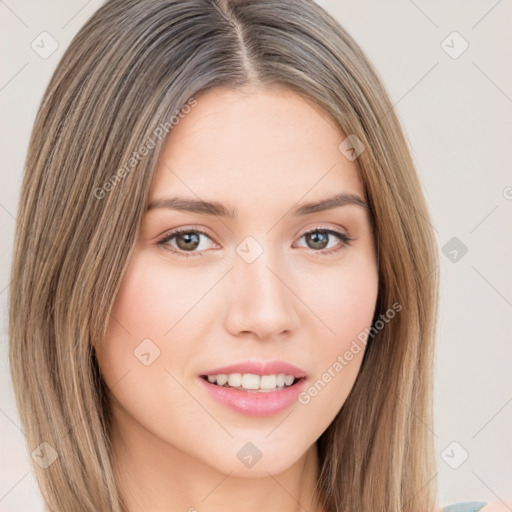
pixel 253 403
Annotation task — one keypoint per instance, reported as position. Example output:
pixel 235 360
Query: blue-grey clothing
pixel 466 506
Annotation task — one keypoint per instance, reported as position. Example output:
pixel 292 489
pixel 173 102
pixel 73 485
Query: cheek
pixel 140 364
pixel 354 294
pixel 345 305
pixel 342 298
pixel 153 302
pixel 142 314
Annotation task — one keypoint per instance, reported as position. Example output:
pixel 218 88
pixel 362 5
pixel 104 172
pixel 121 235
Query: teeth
pixel 222 379
pixel 288 380
pixel 235 380
pixel 251 381
pixel 268 382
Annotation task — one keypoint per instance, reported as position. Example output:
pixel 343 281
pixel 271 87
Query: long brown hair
pixel 128 71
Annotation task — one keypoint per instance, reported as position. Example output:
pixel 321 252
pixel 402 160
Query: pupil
pixel 314 237
pixel 190 238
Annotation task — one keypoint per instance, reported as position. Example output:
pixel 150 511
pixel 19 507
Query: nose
pixel 261 299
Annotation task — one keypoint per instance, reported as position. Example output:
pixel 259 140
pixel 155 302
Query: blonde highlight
pixel 72 248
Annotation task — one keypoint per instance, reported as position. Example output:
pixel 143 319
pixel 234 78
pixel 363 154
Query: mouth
pixel 253 383
pixel 252 394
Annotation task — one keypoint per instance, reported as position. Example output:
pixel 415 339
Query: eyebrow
pixel 220 210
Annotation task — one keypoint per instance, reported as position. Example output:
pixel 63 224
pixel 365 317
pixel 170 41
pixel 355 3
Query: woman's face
pixel 254 288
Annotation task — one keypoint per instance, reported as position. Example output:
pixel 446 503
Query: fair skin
pixel 261 153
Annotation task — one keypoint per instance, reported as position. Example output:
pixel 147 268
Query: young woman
pixel 225 281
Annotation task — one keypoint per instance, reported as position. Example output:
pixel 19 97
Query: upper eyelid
pixel 177 231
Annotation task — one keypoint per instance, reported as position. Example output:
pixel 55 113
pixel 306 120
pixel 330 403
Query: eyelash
pixel 345 239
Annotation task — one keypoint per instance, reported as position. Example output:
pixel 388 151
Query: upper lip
pixel 259 368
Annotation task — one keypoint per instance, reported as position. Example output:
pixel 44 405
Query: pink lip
pixel 253 403
pixel 259 368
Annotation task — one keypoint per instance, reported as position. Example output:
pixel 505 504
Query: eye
pixel 318 238
pixel 187 241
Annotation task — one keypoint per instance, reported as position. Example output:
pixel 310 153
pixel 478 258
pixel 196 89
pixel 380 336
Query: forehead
pixel 254 145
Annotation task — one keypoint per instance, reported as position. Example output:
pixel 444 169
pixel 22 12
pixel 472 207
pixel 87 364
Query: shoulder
pixel 498 506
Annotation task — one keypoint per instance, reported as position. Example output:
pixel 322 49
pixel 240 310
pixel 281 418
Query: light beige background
pixel 457 115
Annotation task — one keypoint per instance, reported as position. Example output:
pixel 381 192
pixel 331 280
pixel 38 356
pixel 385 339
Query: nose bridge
pixel 262 301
